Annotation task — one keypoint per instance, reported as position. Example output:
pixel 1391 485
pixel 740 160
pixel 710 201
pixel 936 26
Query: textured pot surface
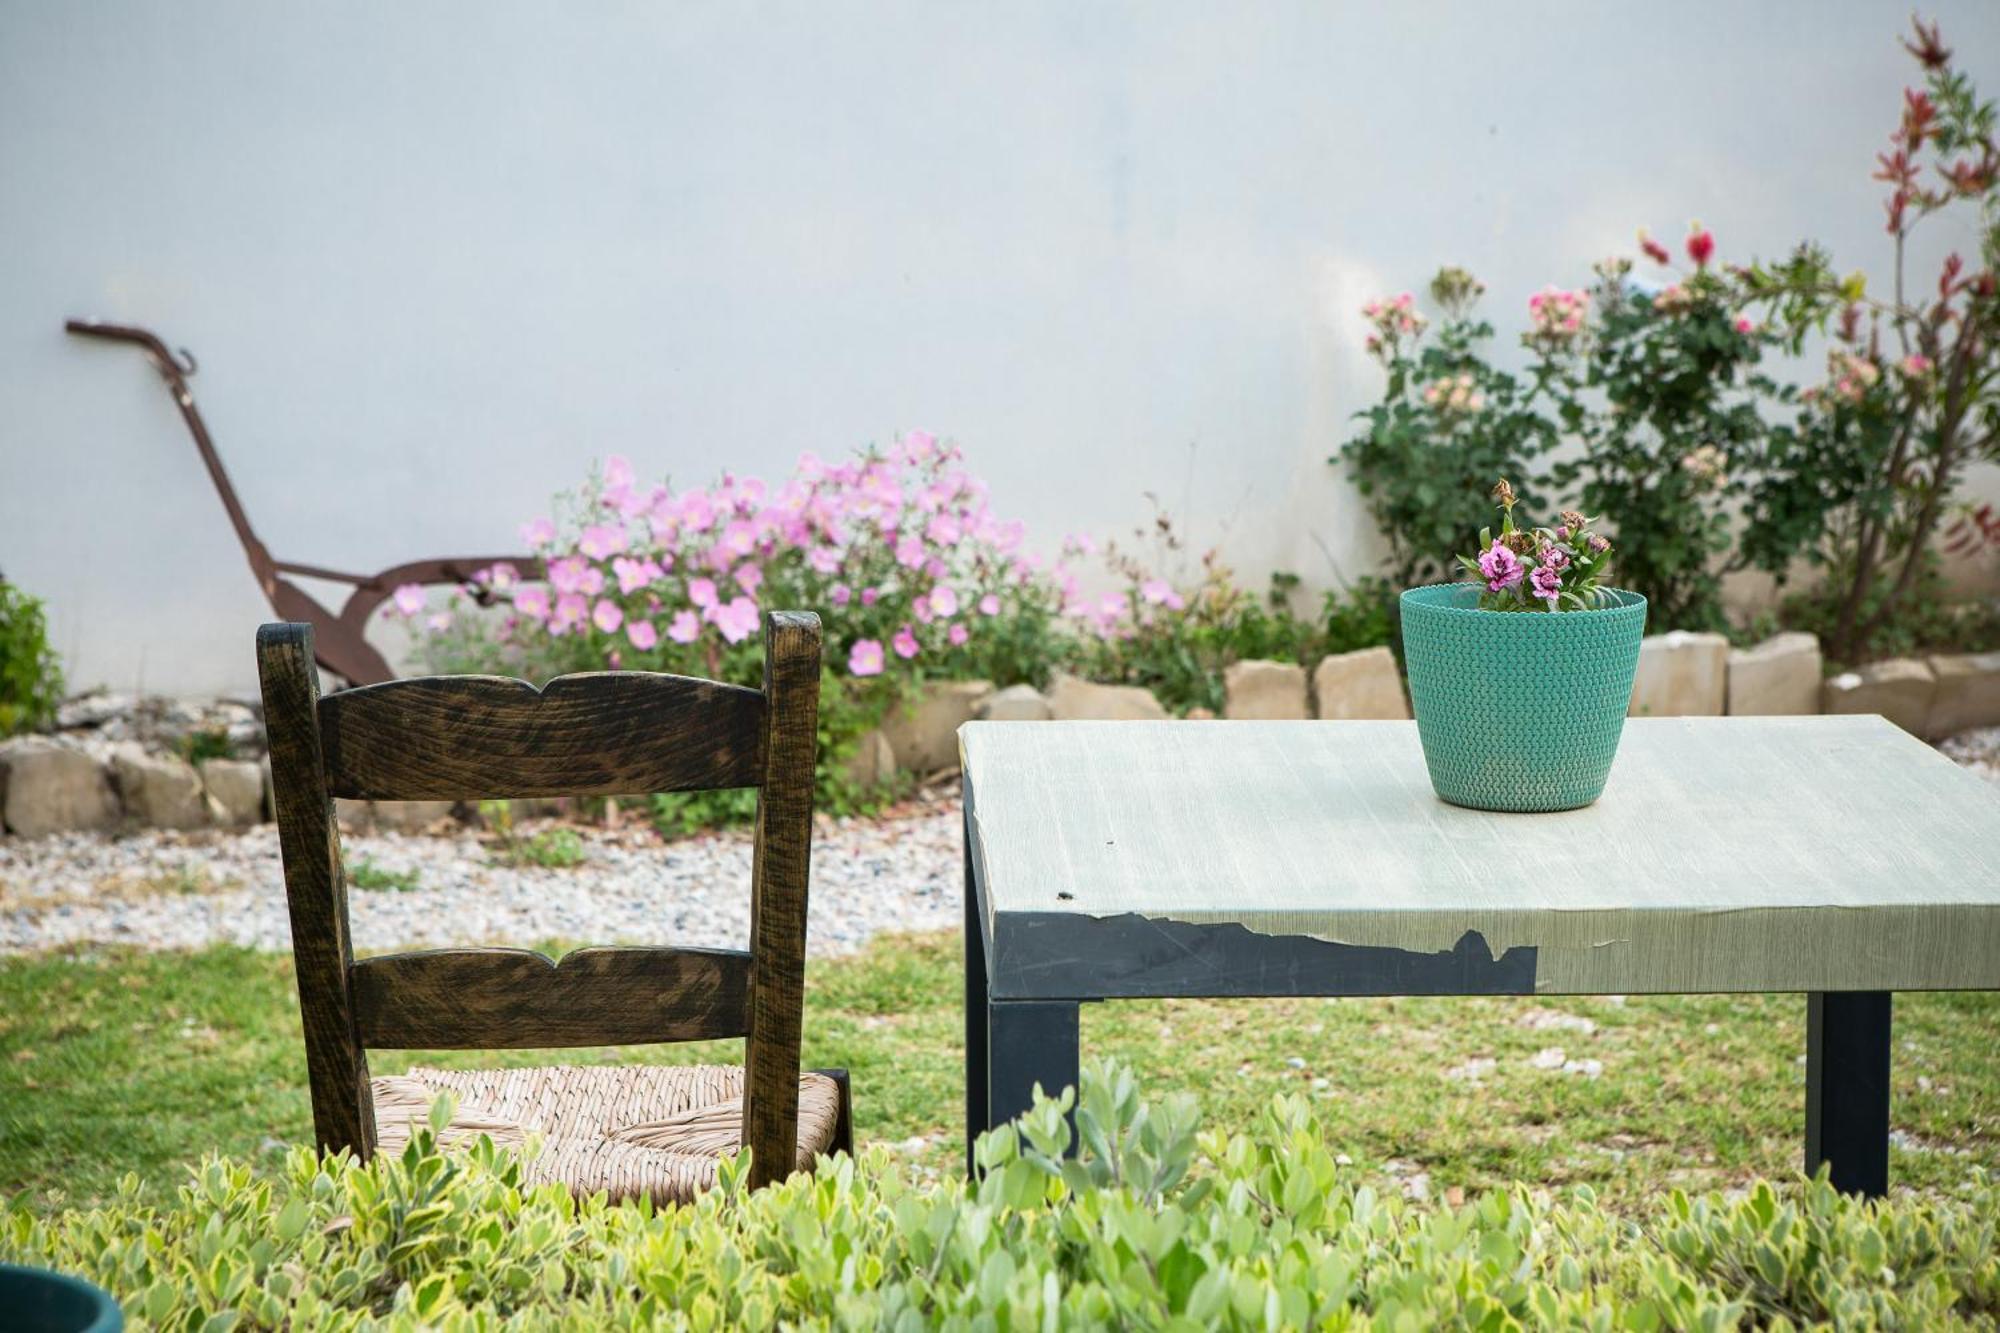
pixel 1519 710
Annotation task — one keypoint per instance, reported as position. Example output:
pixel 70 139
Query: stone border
pixel 84 779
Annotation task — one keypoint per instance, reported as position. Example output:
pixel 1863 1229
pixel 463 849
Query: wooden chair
pixel 631 1130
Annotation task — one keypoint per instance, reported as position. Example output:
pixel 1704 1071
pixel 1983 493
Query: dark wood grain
pixel 445 738
pixel 780 868
pixel 511 998
pixel 315 890
pixel 451 738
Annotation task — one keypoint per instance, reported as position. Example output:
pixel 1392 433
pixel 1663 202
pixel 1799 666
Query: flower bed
pixel 1154 1225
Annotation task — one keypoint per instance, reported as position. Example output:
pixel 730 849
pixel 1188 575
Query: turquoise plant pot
pixel 1519 710
pixel 34 1300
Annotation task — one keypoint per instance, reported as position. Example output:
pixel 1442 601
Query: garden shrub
pixel 1155 1224
pixel 1177 637
pixel 1641 408
pixel 1663 393
pixel 913 576
pixel 914 579
pixel 1448 422
pixel 1911 397
pixel 31 678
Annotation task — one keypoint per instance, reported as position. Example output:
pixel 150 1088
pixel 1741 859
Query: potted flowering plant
pixel 1520 678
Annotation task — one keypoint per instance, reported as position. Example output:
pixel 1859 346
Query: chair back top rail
pixel 433 738
pixel 498 999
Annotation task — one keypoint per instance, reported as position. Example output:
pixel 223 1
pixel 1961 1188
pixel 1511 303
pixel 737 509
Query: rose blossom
pixel 1700 244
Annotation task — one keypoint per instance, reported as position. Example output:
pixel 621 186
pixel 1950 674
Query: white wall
pixel 435 257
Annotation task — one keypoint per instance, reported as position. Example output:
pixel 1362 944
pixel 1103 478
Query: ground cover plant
pixel 1156 1223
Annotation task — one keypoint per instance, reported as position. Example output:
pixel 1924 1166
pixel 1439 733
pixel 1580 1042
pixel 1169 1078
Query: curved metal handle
pixel 171 365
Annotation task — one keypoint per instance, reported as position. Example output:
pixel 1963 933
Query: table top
pixel 1726 854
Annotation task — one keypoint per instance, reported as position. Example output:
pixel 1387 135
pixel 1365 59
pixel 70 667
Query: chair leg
pixel 843 1125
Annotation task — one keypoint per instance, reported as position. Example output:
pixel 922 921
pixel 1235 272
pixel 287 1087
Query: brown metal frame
pixel 341 646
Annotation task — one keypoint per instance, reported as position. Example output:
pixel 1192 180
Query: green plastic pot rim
pixel 1627 601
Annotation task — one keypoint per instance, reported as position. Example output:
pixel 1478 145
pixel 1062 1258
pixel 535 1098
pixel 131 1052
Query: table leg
pixel 977 1000
pixel 1028 1042
pixel 1847 1089
pixel 1010 1045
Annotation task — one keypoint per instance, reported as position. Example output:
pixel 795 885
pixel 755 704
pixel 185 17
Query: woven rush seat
pixel 631 1130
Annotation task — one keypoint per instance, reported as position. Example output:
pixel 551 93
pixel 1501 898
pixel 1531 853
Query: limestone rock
pixel 1075 700
pixel 1780 677
pixel 1900 689
pixel 873 761
pixel 1016 703
pixel 924 733
pixel 1261 689
pixel 49 787
pixel 1360 684
pixel 1968 692
pixel 409 816
pixel 235 789
pixel 1681 674
pixel 160 790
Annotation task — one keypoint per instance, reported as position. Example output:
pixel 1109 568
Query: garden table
pixel 1837 856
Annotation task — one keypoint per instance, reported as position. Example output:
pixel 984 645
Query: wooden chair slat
pixel 443 738
pixel 508 999
pixel 315 890
pixel 778 881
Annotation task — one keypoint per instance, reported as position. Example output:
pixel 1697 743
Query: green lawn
pixel 142 1062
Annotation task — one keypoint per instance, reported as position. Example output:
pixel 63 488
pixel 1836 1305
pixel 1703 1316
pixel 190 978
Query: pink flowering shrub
pixel 898 551
pixel 1174 631
pixel 1559 568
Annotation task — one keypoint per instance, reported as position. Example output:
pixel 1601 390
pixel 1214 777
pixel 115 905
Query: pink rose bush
pixel 1538 569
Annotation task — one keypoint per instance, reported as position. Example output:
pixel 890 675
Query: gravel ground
pixel 167 890
pixel 1976 750
pixel 171 890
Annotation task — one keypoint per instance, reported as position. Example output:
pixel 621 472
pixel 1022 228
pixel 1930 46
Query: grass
pixel 552 849
pixel 365 874
pixel 117 1062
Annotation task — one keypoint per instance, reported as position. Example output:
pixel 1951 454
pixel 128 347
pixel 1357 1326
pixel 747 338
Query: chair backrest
pixel 602 733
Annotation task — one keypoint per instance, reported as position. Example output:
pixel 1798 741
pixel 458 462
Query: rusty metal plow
pixel 341 646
